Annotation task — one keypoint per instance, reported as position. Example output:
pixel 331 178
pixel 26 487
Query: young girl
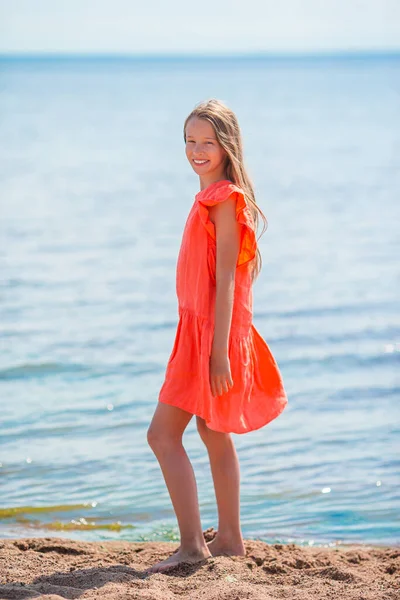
pixel 220 368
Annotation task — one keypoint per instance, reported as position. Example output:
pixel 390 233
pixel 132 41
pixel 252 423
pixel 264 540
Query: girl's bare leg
pixel 226 476
pixel 165 439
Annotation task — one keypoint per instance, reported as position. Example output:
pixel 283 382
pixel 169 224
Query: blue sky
pixel 217 26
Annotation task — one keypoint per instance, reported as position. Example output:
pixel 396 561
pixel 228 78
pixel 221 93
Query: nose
pixel 197 148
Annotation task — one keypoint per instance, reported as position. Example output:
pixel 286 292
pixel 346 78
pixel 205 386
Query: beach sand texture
pixel 57 568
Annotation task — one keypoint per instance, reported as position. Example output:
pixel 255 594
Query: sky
pixel 207 27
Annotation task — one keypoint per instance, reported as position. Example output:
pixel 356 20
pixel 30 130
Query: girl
pixel 220 368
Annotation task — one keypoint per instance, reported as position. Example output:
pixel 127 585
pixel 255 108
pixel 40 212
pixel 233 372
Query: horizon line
pixel 288 54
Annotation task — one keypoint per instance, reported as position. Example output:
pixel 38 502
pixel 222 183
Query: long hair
pixel 228 134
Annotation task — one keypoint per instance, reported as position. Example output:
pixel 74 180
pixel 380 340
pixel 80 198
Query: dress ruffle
pixel 257 396
pixel 217 193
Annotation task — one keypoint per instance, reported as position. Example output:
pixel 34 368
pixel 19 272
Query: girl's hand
pixel 220 373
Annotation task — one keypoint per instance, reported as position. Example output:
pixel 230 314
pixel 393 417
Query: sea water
pixel 95 191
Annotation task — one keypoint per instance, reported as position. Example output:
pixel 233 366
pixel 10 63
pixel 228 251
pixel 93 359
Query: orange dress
pixel 257 395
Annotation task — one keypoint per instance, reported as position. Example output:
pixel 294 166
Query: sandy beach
pixel 56 568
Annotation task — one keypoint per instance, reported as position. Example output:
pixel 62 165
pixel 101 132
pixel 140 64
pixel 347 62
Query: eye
pixel 209 142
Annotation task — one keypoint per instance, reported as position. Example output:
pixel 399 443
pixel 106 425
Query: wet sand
pixel 56 568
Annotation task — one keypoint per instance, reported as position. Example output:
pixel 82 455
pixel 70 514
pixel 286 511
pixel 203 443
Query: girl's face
pixel 204 152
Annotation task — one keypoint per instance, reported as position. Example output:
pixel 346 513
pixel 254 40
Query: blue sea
pixel 95 191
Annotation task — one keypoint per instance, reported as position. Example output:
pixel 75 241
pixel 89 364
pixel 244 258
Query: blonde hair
pixel 228 134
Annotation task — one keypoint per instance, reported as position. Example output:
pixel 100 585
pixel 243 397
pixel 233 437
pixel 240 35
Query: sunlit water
pixel 95 193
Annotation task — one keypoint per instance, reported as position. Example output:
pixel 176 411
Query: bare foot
pixel 178 557
pixel 218 548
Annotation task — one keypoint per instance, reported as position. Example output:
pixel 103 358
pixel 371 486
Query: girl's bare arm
pixel 227 231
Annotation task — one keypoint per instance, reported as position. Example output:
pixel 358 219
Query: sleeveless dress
pixel 257 395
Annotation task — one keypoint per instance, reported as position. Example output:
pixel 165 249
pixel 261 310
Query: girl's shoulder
pixel 218 192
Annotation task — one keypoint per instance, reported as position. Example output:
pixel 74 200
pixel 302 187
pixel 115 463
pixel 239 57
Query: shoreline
pixel 56 568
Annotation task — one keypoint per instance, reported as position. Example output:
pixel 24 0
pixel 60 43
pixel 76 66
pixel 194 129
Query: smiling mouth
pixel 200 162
